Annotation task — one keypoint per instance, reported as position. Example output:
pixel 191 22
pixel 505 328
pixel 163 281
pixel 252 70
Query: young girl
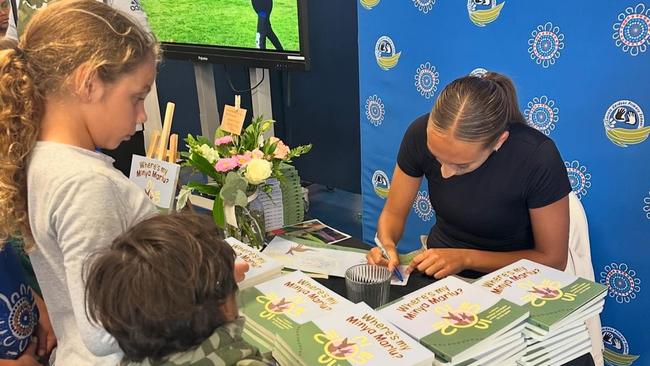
pixel 76 82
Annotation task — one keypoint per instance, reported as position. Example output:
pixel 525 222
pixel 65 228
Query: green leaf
pixel 241 199
pixel 183 196
pixel 201 164
pixel 217 213
pixel 233 189
pixel 204 188
pixel 297 151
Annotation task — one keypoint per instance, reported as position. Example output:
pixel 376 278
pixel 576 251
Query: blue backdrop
pixel 582 73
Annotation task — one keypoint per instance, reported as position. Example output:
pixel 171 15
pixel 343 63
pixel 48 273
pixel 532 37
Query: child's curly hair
pixel 159 287
pixel 59 39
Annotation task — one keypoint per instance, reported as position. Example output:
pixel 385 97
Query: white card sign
pixel 157 178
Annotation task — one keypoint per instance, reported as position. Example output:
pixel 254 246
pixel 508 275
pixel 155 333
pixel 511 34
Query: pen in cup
pixel 384 254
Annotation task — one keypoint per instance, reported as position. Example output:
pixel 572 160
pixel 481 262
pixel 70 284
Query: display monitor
pixel 257 33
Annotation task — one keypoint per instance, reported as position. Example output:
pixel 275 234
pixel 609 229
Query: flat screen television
pixel 257 33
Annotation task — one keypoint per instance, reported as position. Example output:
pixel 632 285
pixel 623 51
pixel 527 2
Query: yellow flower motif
pixel 257 171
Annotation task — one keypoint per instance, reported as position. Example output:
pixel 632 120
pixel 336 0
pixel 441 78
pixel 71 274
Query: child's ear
pixel 86 84
pixel 229 309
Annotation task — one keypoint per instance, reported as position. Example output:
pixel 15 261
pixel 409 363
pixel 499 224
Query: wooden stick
pixel 173 148
pixel 153 143
pixel 167 126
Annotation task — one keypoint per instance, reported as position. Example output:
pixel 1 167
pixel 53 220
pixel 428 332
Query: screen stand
pixel 261 96
pixel 207 94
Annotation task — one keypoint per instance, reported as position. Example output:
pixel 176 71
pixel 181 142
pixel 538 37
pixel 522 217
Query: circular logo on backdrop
pixel 385 53
pixel 646 207
pixel 422 206
pixel 426 80
pixel 482 12
pixel 542 114
pixel 624 123
pixel 380 183
pixel 617 349
pixel 369 4
pixel 621 281
pixel 375 110
pixel 545 44
pixel 424 5
pixel 478 72
pixel 632 30
pixel 578 177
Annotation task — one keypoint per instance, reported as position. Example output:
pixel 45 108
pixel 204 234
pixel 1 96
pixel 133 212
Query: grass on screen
pixel 220 22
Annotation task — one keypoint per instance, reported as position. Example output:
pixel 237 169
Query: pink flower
pixel 244 159
pixel 281 150
pixel 226 164
pixel 223 140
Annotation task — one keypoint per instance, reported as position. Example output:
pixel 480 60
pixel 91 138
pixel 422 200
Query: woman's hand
pixel 44 331
pixel 374 256
pixel 439 262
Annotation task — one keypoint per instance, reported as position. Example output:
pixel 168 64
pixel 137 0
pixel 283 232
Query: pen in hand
pixel 384 254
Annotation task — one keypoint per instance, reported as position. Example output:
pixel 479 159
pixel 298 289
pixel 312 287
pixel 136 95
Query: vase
pixel 250 224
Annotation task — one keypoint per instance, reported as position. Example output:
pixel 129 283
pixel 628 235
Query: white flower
pixel 210 154
pixel 257 171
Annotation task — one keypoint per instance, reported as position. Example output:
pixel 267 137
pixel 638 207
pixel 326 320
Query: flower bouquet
pixel 237 168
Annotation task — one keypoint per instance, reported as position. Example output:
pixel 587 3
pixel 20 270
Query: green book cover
pixel 279 305
pixel 551 296
pixel 453 318
pixel 355 336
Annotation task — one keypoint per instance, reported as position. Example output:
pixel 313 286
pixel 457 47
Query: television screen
pixel 258 33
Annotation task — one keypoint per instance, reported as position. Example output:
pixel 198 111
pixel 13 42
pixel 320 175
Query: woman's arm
pixel 551 235
pixel 390 226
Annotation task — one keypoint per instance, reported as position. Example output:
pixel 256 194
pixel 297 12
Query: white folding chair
pixel 579 264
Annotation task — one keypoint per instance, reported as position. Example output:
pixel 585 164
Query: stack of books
pixel 356 335
pixel 261 267
pixel 461 324
pixel 272 205
pixel 283 205
pixel 292 196
pixel 558 302
pixel 277 307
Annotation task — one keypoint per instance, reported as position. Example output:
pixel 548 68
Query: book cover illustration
pixel 279 305
pixel 453 318
pixel 355 336
pixel 312 230
pixel 549 295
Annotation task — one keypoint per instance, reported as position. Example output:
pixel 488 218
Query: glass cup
pixel 368 283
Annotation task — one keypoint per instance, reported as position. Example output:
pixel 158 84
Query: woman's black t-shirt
pixel 487 209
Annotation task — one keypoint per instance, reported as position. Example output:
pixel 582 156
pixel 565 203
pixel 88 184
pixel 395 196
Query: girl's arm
pixel 551 235
pixel 390 227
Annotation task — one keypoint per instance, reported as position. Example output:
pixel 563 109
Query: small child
pixel 165 289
